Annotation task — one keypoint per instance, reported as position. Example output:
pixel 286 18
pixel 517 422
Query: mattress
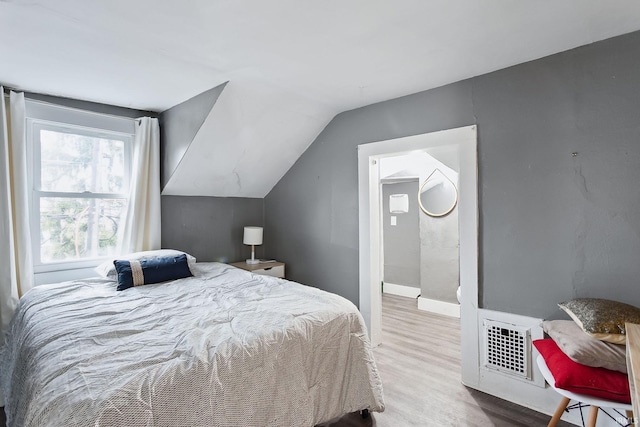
pixel 222 348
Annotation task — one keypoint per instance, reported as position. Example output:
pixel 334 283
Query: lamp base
pixel 253 261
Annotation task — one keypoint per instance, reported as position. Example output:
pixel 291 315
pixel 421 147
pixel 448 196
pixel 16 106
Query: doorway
pixel 463 140
pixel 420 236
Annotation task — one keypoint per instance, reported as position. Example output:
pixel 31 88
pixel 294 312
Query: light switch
pixel 394 220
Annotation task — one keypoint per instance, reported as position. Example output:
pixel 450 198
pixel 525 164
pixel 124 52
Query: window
pixel 80 189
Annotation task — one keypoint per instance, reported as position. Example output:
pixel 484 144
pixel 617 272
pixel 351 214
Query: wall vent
pixel 507 348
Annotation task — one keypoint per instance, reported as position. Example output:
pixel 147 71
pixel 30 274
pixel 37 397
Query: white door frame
pixel 465 139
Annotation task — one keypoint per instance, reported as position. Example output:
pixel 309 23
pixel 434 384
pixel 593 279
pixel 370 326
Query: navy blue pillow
pixel 151 270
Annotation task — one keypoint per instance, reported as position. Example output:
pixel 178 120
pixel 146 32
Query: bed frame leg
pixel 364 413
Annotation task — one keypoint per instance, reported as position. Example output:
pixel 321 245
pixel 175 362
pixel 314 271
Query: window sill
pixel 45 277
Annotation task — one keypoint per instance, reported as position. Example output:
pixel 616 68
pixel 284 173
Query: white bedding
pixel 223 348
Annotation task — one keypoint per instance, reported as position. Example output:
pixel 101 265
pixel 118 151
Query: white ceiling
pixel 294 64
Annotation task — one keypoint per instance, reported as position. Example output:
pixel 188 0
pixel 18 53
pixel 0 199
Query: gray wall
pixel 401 241
pixel 552 225
pixel 555 226
pixel 311 215
pixel 210 228
pixel 179 125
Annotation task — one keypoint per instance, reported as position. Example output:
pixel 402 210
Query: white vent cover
pixel 507 348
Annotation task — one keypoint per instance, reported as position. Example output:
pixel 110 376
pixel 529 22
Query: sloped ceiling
pixel 291 65
pixel 180 124
pixel 249 138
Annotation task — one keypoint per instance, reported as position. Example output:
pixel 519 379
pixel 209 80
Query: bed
pixel 222 348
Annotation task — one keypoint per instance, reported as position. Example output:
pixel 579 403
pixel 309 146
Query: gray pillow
pixel 583 348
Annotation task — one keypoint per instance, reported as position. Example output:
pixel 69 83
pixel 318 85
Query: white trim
pixel 64 275
pixel 439 307
pixel 465 140
pixel 45 116
pixel 400 290
pixel 47 111
pixel 370 257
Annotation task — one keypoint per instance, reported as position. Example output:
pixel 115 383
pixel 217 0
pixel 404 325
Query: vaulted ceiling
pixel 291 65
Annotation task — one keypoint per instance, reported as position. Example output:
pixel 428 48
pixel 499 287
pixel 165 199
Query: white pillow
pixel 582 348
pixel 108 270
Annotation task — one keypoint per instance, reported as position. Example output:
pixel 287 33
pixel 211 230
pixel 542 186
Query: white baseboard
pixel 439 307
pixel 401 290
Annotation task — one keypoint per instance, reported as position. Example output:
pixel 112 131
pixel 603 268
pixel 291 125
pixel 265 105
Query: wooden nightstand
pixel 275 269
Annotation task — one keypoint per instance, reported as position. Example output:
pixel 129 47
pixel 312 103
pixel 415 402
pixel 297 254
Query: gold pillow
pixel 601 318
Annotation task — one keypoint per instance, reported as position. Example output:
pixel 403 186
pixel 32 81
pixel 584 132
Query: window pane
pixel 76 163
pixel 74 228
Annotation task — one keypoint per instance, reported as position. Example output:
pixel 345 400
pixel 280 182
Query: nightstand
pixel 275 269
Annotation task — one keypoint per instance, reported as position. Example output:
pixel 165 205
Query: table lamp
pixel 252 236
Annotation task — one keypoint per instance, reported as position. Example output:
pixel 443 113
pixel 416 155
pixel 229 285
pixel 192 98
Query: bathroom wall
pixel 401 241
pixel 439 254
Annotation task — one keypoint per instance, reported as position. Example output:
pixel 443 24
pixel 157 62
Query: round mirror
pixel 438 195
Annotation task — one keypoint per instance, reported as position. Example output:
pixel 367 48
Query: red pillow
pixel 572 376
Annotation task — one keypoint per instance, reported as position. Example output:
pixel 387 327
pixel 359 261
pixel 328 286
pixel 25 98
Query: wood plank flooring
pixel 419 362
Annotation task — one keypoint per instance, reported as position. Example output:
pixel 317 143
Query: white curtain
pixel 141 231
pixel 16 264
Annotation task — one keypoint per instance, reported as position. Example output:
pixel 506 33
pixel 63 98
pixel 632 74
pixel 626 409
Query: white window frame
pixel 63 119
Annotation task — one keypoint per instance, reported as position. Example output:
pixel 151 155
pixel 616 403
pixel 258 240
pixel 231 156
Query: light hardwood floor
pixel 419 362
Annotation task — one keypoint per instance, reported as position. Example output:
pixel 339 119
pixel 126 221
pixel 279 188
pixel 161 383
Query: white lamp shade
pixel 399 203
pixel 252 236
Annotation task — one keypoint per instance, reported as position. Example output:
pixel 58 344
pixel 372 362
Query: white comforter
pixel 223 348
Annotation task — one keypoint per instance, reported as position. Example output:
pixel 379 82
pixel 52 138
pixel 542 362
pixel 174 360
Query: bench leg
pixel 559 411
pixel 593 415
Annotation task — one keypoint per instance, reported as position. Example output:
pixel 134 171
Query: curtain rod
pixel 66 107
pixel 54 104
